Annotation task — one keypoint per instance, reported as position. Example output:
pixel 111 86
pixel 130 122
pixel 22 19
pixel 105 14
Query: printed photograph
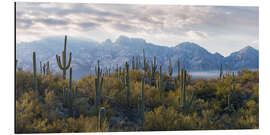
pixel 84 67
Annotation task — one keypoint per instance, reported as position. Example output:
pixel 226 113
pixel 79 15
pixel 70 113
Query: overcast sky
pixel 217 29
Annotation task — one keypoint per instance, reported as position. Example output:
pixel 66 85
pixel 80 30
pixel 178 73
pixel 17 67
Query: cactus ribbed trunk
pixel 220 72
pixel 35 72
pixel 170 68
pixel 98 84
pixel 101 118
pixel 133 63
pixel 160 85
pixel 141 104
pixel 127 83
pixel 185 104
pixel 48 68
pixel 154 68
pixel 70 80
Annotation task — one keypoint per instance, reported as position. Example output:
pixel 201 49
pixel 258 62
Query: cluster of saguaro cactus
pixel 45 69
pixel 64 66
pixel 101 118
pixel 35 73
pixel 183 82
pixel 127 83
pixel 98 84
pixel 141 104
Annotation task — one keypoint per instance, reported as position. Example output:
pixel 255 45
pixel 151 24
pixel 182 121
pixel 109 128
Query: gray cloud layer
pixel 221 29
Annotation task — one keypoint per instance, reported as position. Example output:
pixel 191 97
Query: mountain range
pixel 86 53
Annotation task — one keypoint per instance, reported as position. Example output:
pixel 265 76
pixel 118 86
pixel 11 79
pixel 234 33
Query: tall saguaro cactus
pixel 154 68
pixel 170 68
pixel 133 63
pixel 234 81
pixel 98 84
pixel 48 68
pixel 220 72
pixel 183 79
pixel 160 82
pixel 145 65
pixel 64 66
pixel 127 83
pixel 141 104
pixel 35 72
pixel 178 68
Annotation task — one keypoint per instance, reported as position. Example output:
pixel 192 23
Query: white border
pixel 7 61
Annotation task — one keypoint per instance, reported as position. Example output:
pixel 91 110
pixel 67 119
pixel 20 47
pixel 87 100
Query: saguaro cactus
pixel 64 66
pixel 178 69
pixel 160 82
pixel 98 84
pixel 141 104
pixel 145 65
pixel 127 83
pixel 48 68
pixel 133 63
pixel 70 79
pixel 40 67
pixel 137 65
pixel 170 68
pixel 44 69
pixel 154 68
pixel 185 105
pixel 220 72
pixel 101 118
pixel 234 81
pixel 35 72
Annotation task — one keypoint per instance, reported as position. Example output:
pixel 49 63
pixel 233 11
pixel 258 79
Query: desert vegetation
pixel 139 96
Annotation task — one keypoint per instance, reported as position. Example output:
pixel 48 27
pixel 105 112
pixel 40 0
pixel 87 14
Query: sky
pixel 222 29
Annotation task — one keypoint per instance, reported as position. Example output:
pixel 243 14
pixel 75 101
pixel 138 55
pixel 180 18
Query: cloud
pixel 52 21
pixel 88 25
pixel 159 24
pixel 197 35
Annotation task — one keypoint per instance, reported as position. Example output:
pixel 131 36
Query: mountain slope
pixel 86 53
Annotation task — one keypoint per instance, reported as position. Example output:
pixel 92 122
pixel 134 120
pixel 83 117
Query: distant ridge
pixel 86 53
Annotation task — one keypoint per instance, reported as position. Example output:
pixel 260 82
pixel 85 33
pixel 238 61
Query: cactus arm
pixel 59 62
pixel 69 60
